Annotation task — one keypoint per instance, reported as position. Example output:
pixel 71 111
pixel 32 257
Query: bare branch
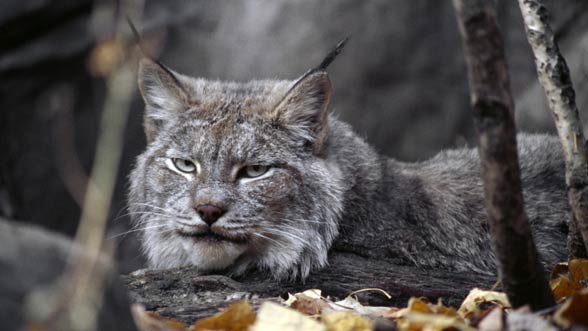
pixel 554 76
pixel 77 296
pixel 522 275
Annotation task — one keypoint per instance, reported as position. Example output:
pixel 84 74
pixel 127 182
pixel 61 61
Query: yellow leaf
pixel 574 310
pixel 418 305
pixel 431 322
pixel 471 304
pixel 346 321
pixel 272 316
pixel 439 308
pixel 237 317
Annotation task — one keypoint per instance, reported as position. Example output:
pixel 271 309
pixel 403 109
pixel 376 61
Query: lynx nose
pixel 209 213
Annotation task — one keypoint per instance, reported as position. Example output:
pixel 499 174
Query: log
pixel 184 295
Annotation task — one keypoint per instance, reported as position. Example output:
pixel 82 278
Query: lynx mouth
pixel 210 236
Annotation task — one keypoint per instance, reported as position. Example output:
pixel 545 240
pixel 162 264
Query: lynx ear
pixel 304 108
pixel 163 92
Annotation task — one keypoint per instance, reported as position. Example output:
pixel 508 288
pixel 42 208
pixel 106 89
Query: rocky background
pixel 400 82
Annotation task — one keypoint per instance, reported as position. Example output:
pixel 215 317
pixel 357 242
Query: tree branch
pixel 521 272
pixel 554 76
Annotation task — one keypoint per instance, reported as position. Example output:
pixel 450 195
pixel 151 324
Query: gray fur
pixel 327 187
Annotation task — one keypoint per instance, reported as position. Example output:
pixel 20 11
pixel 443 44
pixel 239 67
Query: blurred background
pixel 401 81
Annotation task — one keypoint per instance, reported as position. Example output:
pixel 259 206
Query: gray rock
pixel 31 260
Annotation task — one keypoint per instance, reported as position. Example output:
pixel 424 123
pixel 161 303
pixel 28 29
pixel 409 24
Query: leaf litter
pixel 480 310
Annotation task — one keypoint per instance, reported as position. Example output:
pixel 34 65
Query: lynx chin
pixel 258 175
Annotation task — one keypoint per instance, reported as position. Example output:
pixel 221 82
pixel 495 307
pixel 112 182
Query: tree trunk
pixel 521 272
pixel 555 78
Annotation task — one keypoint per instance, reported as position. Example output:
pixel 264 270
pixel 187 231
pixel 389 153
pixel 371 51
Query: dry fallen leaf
pixel 272 316
pixel 150 321
pixel 418 305
pixel 346 321
pixel 579 269
pixel 568 278
pixel 413 321
pixel 309 302
pixel 237 317
pixel 350 304
pixel 470 306
pixel 574 310
pixel 421 315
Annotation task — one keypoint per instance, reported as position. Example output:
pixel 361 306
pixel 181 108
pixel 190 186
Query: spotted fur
pixel 326 187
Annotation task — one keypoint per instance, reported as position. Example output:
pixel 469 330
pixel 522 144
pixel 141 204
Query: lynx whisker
pixel 139 204
pixel 270 239
pixel 287 235
pixel 136 230
pixel 289 227
pixel 150 213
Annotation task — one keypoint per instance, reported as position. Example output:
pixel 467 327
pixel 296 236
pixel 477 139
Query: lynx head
pixel 236 175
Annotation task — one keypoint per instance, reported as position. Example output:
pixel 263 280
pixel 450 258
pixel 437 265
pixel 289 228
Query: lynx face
pixel 235 175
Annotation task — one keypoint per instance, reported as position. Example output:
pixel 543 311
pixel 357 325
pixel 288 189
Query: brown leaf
pixel 563 287
pixel 308 305
pixel 415 321
pixel 309 302
pixel 237 317
pixel 559 269
pixel 579 270
pixel 574 310
pixel 568 278
pixel 150 321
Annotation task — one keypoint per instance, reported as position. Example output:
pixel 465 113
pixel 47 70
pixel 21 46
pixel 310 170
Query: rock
pixel 31 262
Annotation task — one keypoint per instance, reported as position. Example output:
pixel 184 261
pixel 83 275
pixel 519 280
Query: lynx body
pixel 258 175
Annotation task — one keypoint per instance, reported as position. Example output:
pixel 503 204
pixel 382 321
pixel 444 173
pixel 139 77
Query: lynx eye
pixel 253 171
pixel 183 165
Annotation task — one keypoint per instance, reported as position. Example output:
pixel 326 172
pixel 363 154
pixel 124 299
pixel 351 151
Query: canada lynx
pixel 259 175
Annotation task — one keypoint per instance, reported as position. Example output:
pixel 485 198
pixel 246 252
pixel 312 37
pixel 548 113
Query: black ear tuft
pixel 304 108
pixel 333 54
